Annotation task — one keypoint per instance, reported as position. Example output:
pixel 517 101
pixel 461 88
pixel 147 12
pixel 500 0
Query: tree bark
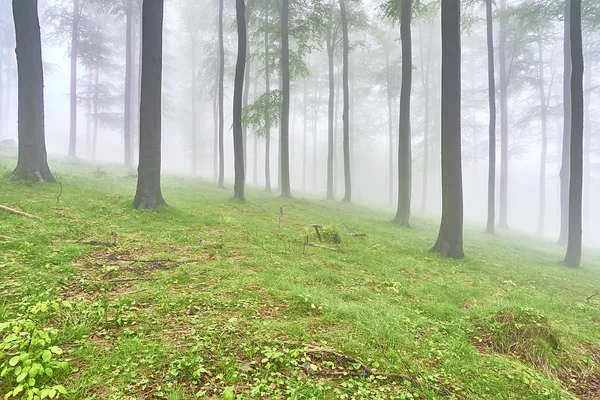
pixel 73 105
pixel 267 116
pixel 544 117
pixel 491 208
pixel 238 93
pixel 566 142
pixel 148 194
pixel 285 107
pixel 450 239
pixel 221 98
pixel 573 256
pixel 128 84
pixel 32 159
pixel 346 112
pixel 503 217
pixel 404 143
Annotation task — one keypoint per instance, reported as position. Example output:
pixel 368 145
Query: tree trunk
pixel 194 116
pixel 238 94
pixel 491 209
pixel 285 107
pixel 148 194
pixel 73 107
pixel 267 117
pixel 128 84
pixel 221 98
pixel 503 217
pixel 304 135
pixel 450 239
pixel 587 147
pixel 330 112
pixel 566 142
pixel 544 117
pixel 32 142
pixel 96 95
pixel 573 256
pixel 346 113
pixel 404 143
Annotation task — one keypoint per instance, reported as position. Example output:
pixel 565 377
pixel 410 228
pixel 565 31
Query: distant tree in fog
pixel 238 93
pixel 346 112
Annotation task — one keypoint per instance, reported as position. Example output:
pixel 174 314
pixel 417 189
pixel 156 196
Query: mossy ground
pixel 210 297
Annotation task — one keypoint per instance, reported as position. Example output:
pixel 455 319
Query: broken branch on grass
pixel 592 296
pixel 237 208
pixel 21 213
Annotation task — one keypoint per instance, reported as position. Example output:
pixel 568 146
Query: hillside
pixel 212 298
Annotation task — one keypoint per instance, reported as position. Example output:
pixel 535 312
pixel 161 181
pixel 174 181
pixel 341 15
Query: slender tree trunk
pixel 346 114
pixel 221 99
pixel 96 107
pixel 33 160
pixel 389 90
pixel 148 194
pixel 74 51
pixel 304 135
pixel 587 147
pixel 267 117
pixel 128 84
pixel 491 211
pixel 285 108
pixel 566 143
pixel 238 94
pixel 194 112
pixel 503 217
pixel 404 143
pixel 450 239
pixel 573 256
pixel 330 113
pixel 544 117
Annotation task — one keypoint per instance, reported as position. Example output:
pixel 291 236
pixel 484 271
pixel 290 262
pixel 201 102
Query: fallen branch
pixel 592 296
pixel 21 213
pixel 237 208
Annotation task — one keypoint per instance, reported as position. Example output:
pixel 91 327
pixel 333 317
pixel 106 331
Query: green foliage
pixel 29 362
pixel 331 234
pixel 255 115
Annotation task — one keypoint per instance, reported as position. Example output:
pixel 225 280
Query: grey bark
pixel 346 112
pixel 238 94
pixel 285 107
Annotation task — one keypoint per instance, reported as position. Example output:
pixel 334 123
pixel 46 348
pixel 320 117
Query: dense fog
pixel 190 53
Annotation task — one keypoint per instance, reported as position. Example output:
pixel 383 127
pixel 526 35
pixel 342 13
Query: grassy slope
pixel 236 315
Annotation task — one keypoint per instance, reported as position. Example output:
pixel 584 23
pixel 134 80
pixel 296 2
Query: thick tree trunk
pixel 404 143
pixel 503 217
pixel 573 256
pixel 285 107
pixel 148 194
pixel 346 112
pixel 330 112
pixel 267 117
pixel 491 207
pixel 566 142
pixel 96 109
pixel 450 239
pixel 221 99
pixel 128 84
pixel 32 159
pixel 238 93
pixel 544 117
pixel 73 105
pixel 194 112
pixel 587 180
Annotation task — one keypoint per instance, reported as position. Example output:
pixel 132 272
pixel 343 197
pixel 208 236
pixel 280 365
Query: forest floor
pixel 211 298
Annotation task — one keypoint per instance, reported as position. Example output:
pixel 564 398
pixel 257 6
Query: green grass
pixel 232 299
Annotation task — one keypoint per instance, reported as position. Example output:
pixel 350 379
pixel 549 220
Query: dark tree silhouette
pixel 450 239
pixel 491 217
pixel 32 142
pixel 404 142
pixel 221 98
pixel 148 194
pixel 566 144
pixel 284 149
pixel 238 93
pixel 346 112
pixel 128 83
pixel 573 257
pixel 73 98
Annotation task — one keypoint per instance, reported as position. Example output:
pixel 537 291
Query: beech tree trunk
pixel 128 84
pixel 285 107
pixel 450 238
pixel 566 142
pixel 238 93
pixel 148 194
pixel 404 140
pixel 73 106
pixel 503 217
pixel 32 160
pixel 573 256
pixel 491 207
pixel 544 117
pixel 346 112
pixel 221 99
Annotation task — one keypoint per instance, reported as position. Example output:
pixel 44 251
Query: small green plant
pixel 331 234
pixel 29 363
